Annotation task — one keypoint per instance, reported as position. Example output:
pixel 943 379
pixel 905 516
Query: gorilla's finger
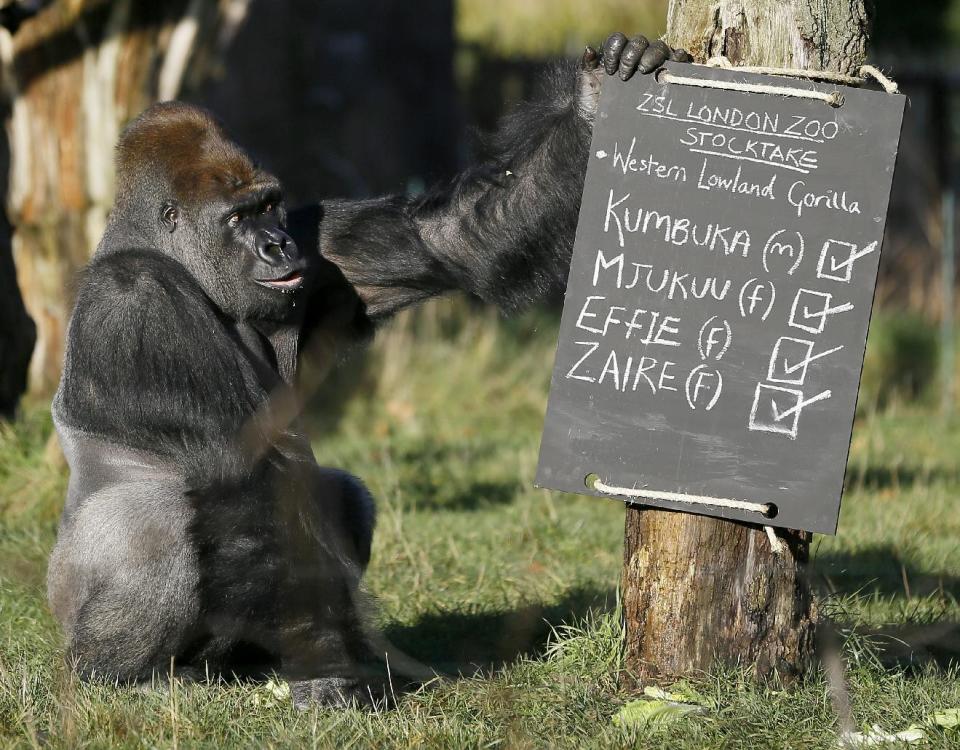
pixel 654 56
pixel 590 59
pixel 681 55
pixel 611 52
pixel 631 56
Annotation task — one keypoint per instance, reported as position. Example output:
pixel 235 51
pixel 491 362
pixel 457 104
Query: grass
pixel 476 573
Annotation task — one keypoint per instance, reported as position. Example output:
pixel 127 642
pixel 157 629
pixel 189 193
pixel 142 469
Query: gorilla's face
pixel 184 187
pixel 237 249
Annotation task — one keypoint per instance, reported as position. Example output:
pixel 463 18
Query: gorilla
pixel 199 535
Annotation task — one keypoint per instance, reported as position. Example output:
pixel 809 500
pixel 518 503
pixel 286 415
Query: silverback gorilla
pixel 196 537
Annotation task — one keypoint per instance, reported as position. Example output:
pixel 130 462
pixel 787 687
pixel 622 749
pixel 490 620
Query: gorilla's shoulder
pixel 140 274
pixel 149 361
pixel 143 302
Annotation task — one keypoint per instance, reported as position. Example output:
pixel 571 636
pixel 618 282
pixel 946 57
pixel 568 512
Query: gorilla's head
pixel 187 189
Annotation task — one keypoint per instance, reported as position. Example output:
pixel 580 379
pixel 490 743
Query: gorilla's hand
pixel 622 57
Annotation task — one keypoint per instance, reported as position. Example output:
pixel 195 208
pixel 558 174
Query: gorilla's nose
pixel 274 247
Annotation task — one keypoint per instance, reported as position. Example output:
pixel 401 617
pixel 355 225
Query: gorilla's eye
pixel 268 208
pixel 234 219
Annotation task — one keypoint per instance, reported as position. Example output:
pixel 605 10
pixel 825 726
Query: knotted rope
pixel 767 510
pixel 833 98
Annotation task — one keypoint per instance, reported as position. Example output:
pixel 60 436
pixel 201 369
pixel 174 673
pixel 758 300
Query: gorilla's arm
pixel 504 229
pixel 151 365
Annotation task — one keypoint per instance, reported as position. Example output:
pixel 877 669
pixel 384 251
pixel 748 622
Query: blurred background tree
pixel 74 71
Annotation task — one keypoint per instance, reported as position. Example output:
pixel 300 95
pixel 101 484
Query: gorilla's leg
pixel 335 664
pixel 338 667
pixel 346 508
pixel 122 581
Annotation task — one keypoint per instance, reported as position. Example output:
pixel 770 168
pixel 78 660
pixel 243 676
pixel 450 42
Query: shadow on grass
pixel 468 496
pixel 878 570
pixel 458 476
pixel 874 477
pixel 456 643
pixel 925 602
pixel 912 647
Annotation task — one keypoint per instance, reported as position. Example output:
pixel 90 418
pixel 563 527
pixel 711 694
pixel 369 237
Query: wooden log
pixel 699 590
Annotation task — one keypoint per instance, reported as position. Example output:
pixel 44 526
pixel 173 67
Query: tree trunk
pixel 74 74
pixel 699 590
pixel 828 35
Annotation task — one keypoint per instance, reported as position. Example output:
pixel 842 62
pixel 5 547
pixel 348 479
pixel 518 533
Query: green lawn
pixel 476 573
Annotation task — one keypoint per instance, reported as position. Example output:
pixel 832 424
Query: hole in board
pixel 771 510
pixel 591 480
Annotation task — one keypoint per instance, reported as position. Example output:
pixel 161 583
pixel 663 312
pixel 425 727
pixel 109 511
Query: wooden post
pixel 700 590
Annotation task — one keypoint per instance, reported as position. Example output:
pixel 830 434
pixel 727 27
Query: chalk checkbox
pixel 811 309
pixel 837 258
pixel 789 360
pixel 777 409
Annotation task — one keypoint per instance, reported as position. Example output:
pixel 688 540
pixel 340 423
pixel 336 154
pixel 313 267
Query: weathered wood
pixel 74 74
pixel 698 590
pixel 828 35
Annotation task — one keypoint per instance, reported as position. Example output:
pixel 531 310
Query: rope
pixel 833 98
pixel 889 85
pixel 776 543
pixel 866 72
pixel 679 497
pixel 765 509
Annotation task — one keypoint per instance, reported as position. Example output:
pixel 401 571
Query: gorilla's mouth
pixel 293 280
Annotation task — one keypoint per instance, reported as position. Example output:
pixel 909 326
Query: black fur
pixel 199 534
pixel 152 364
pixel 502 230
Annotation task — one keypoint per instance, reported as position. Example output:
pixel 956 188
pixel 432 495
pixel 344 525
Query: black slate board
pixel 726 285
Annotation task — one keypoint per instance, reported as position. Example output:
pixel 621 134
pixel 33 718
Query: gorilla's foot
pixel 337 692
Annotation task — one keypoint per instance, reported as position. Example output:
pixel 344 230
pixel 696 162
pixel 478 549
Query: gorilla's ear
pixel 170 215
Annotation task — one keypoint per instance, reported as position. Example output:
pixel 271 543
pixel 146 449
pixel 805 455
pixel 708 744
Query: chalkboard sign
pixel 719 296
